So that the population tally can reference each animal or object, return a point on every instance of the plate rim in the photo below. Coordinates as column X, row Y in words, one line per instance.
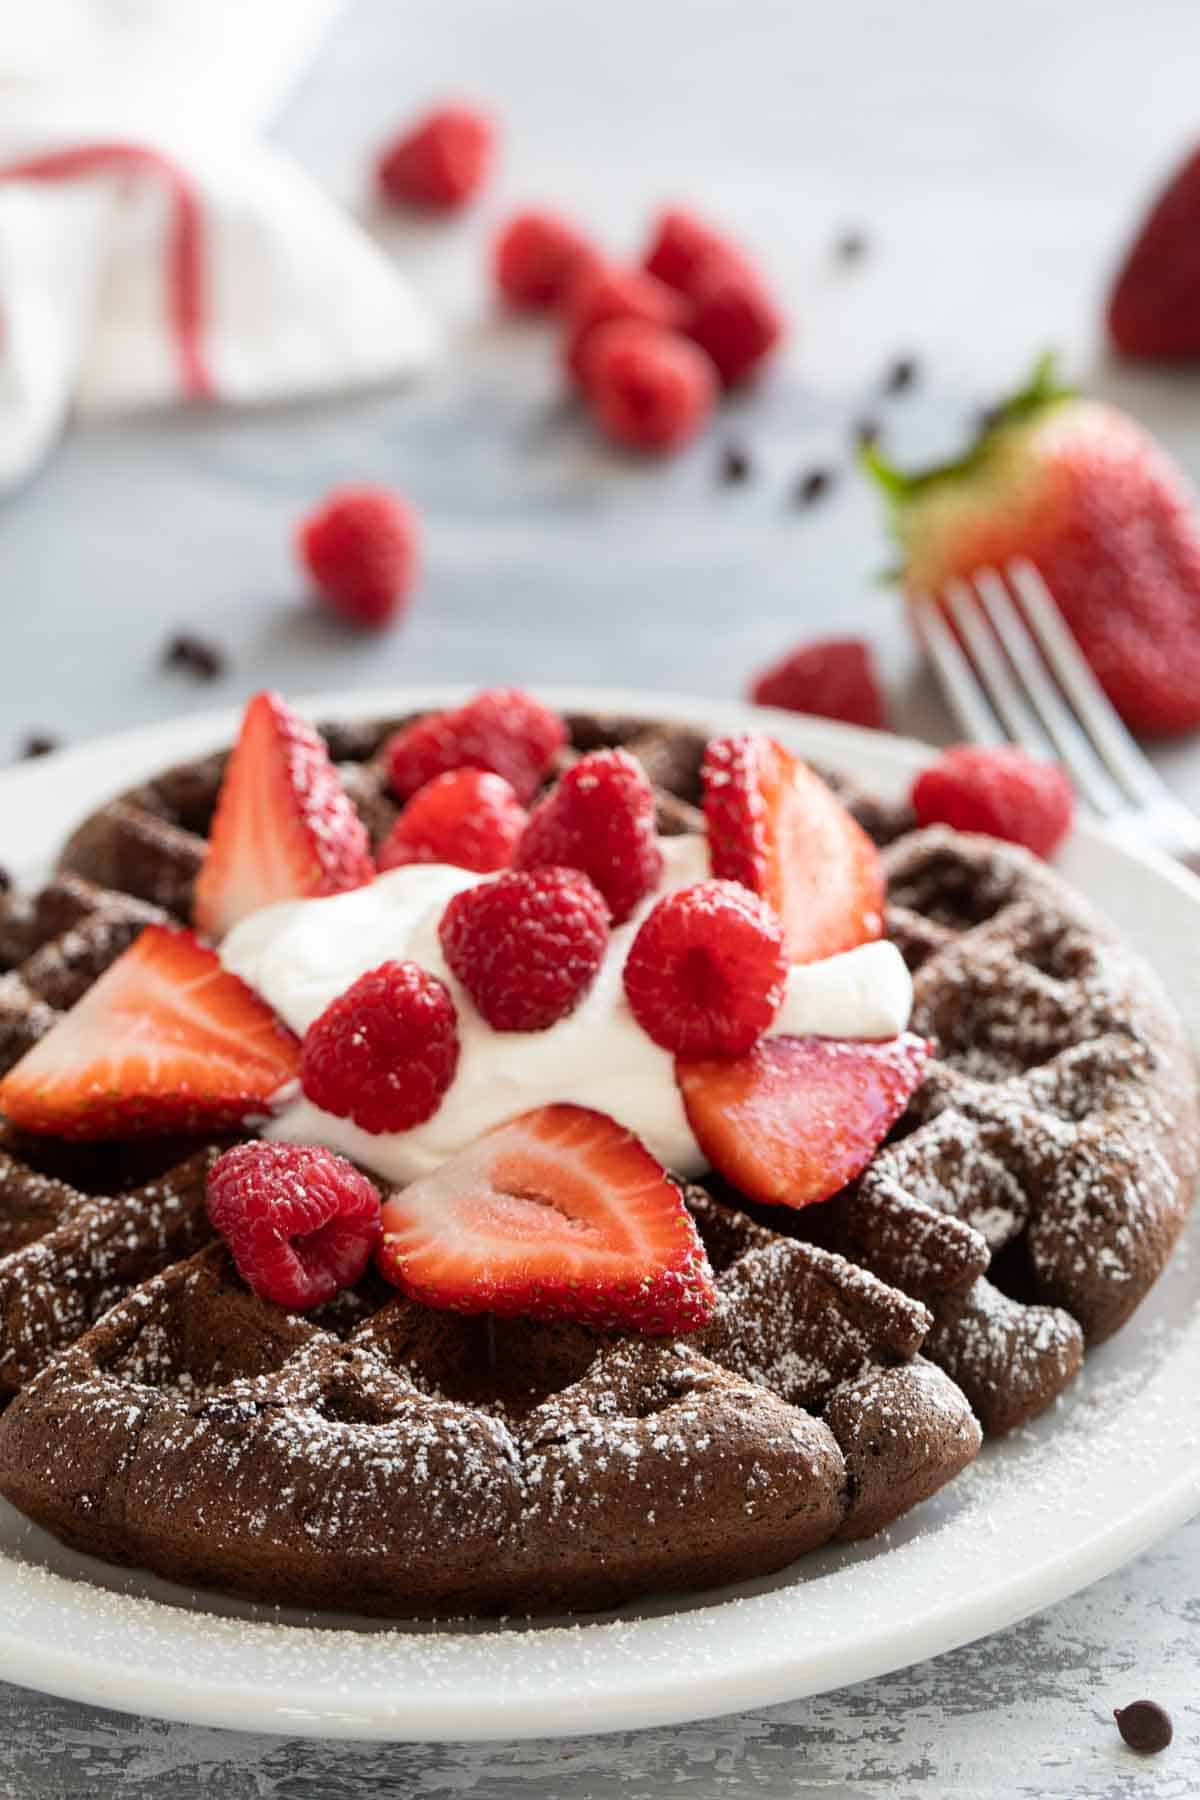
column 766, row 1678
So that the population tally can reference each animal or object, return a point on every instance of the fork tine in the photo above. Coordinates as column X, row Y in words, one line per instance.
column 961, row 689
column 993, row 670
column 1071, row 742
column 1093, row 709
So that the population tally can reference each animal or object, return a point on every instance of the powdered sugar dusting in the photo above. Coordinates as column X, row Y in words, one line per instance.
column 1019, row 1142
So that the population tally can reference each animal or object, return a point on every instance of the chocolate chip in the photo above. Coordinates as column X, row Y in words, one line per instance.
column 901, row 375
column 196, row 655
column 812, row 486
column 6, row 880
column 851, row 246
column 866, row 433
column 735, row 465
column 37, row 743
column 1145, row 1726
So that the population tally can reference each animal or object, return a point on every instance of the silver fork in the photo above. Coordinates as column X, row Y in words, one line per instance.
column 1014, row 673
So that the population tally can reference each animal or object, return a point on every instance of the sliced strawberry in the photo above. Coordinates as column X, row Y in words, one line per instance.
column 558, row 1214
column 778, row 829
column 797, row 1118
column 285, row 828
column 166, row 1040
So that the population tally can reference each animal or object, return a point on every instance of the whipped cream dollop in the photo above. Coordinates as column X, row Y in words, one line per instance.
column 301, row 954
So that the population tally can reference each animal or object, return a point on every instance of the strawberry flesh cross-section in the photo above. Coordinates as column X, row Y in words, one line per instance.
column 777, row 828
column 558, row 1214
column 797, row 1118
column 166, row 1040
column 284, row 828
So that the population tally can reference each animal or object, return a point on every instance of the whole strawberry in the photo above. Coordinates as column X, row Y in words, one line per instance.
column 1087, row 495
column 1154, row 306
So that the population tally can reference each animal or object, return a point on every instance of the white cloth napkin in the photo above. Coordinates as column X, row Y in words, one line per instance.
column 151, row 249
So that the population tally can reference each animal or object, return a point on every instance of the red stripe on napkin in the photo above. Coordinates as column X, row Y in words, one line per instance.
column 186, row 299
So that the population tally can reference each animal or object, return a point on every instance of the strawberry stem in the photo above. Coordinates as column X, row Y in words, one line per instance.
column 1041, row 390
column 901, row 487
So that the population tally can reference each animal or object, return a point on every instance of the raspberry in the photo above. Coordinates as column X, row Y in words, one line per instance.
column 602, row 294
column 831, row 677
column 681, row 244
column 526, row 946
column 999, row 791
column 384, row 1052
column 438, row 162
column 599, row 818
column 300, row 1222
column 734, row 319
column 466, row 817
column 501, row 729
column 538, row 257
column 648, row 389
column 361, row 546
column 706, row 973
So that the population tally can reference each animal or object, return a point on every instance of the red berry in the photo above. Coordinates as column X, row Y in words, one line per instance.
column 360, row 546
column 526, row 946
column 1154, row 306
column 999, row 791
column 795, row 1119
column 648, row 389
column 1085, row 494
column 384, row 1052
column 466, row 817
column 732, row 315
column 300, row 1222
column 538, row 258
column 681, row 244
column 285, row 827
column 832, row 677
column 558, row 1214
column 440, row 161
column 599, row 818
column 734, row 320
column 501, row 729
column 706, row 972
column 605, row 293
column 777, row 828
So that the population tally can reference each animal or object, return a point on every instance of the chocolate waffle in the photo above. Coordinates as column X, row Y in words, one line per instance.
column 405, row 1462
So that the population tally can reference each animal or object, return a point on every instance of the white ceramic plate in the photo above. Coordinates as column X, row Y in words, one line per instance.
column 1041, row 1514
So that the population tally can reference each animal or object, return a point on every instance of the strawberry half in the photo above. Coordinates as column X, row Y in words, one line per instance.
column 558, row 1214
column 797, row 1118
column 778, row 829
column 1089, row 497
column 284, row 828
column 166, row 1040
